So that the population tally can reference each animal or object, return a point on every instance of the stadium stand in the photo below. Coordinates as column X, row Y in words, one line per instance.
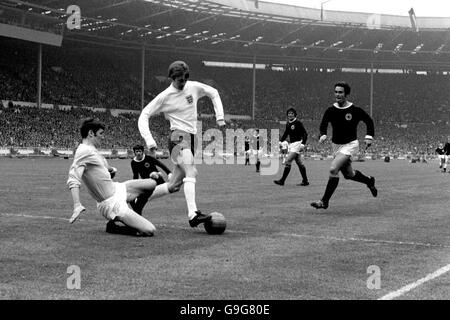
column 411, row 111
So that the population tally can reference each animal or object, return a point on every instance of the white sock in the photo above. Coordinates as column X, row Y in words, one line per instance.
column 160, row 190
column 189, row 194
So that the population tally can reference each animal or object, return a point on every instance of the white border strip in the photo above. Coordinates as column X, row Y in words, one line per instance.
column 409, row 287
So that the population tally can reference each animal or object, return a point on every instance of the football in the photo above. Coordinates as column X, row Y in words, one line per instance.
column 217, row 224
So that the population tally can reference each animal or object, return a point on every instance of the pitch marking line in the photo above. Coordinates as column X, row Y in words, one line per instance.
column 409, row 287
column 31, row 216
column 365, row 240
column 327, row 238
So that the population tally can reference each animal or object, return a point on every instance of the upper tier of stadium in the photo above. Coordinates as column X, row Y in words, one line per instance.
column 242, row 31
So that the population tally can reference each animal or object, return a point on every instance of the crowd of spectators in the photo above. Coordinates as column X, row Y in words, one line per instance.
column 411, row 112
column 52, row 128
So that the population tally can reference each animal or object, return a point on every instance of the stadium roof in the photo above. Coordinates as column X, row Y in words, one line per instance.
column 239, row 30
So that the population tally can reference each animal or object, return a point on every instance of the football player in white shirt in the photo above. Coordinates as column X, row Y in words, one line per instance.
column 179, row 104
column 92, row 169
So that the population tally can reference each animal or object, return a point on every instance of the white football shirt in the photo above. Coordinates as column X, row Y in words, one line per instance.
column 96, row 176
column 179, row 107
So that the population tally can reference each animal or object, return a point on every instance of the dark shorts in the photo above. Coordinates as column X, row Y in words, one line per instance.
column 180, row 140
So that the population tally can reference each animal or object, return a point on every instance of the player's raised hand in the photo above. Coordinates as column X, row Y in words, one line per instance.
column 79, row 209
column 151, row 143
column 221, row 123
column 322, row 138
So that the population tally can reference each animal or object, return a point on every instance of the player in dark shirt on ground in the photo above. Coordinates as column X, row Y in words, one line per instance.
column 297, row 138
column 145, row 166
column 344, row 117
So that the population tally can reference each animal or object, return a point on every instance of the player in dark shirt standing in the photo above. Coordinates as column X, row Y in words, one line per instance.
column 257, row 145
column 297, row 138
column 344, row 117
column 446, row 153
column 247, row 150
column 442, row 158
column 144, row 167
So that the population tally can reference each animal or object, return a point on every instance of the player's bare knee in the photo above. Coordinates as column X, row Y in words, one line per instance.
column 334, row 171
column 191, row 172
column 346, row 176
column 148, row 231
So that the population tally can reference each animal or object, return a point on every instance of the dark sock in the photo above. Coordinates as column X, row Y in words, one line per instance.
column 303, row 173
column 331, row 187
column 286, row 171
column 118, row 229
column 139, row 204
column 359, row 177
column 258, row 164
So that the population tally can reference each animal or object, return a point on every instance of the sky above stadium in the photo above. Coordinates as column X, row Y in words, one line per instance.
column 422, row 8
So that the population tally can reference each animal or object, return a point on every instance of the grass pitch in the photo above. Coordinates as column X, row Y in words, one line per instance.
column 276, row 245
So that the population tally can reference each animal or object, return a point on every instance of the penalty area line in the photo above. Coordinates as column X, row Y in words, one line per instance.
column 411, row 286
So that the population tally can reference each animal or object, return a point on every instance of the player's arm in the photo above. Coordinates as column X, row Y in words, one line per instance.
column 74, row 183
column 446, row 147
column 370, row 127
column 304, row 134
column 285, row 134
column 324, row 126
column 155, row 106
column 213, row 94
column 135, row 170
column 161, row 165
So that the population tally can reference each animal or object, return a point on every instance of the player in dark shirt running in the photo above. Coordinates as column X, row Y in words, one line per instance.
column 344, row 117
column 297, row 138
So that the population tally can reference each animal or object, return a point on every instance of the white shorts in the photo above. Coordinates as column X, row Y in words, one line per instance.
column 296, row 147
column 350, row 149
column 116, row 205
column 443, row 157
column 257, row 153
